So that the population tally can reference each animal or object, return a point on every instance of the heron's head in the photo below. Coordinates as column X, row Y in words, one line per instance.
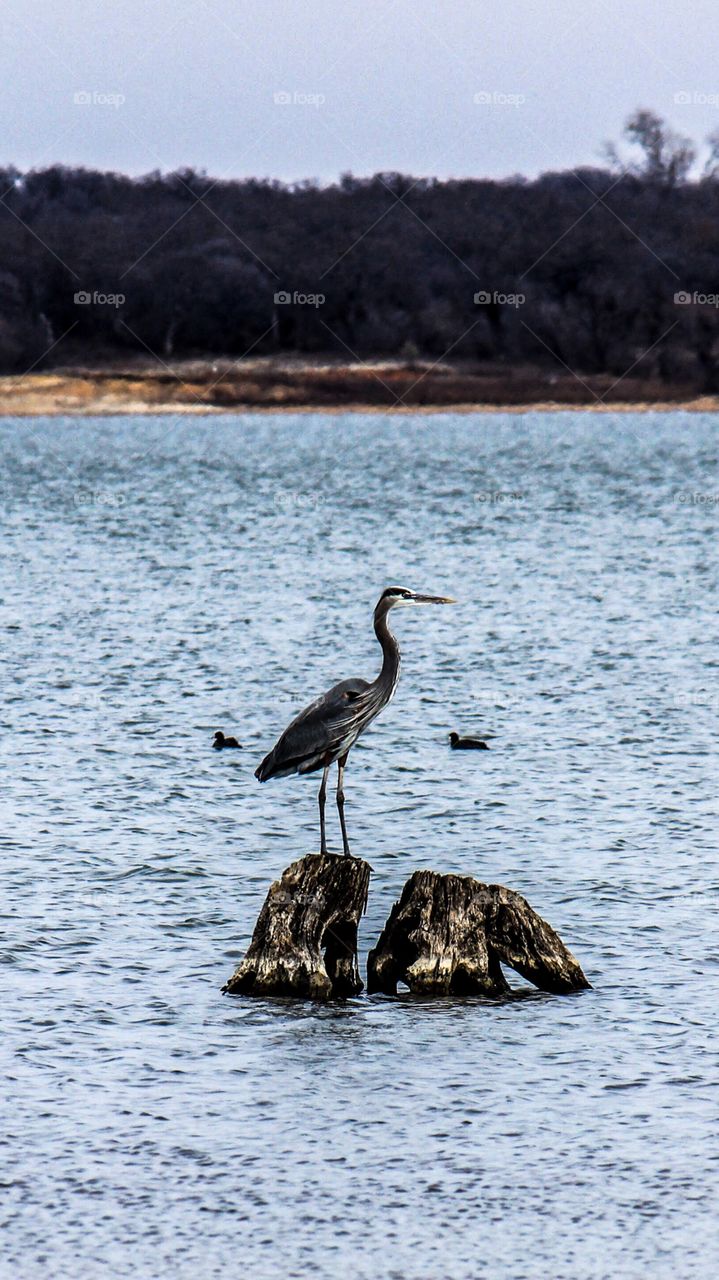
column 394, row 596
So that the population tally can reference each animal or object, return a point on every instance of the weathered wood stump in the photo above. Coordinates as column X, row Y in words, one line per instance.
column 314, row 907
column 448, row 934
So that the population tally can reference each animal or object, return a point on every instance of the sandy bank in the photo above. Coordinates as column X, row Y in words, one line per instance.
column 207, row 386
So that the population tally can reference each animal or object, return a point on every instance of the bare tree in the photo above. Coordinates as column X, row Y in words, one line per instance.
column 666, row 156
column 711, row 167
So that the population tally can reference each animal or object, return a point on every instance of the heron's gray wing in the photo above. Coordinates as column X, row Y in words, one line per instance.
column 317, row 735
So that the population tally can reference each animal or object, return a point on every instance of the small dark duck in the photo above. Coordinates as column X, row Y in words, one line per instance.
column 469, row 744
column 221, row 741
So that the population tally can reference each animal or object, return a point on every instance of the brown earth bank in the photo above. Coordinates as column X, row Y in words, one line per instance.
column 223, row 386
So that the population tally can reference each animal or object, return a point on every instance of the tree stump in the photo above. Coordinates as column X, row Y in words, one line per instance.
column 448, row 934
column 315, row 906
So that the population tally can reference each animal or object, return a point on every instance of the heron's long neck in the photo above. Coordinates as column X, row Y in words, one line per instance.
column 389, row 675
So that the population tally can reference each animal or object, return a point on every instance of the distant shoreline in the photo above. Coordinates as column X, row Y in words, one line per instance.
column 294, row 386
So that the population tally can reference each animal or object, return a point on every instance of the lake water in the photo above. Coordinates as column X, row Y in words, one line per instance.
column 165, row 577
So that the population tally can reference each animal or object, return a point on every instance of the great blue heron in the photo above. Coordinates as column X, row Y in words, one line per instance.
column 221, row 741
column 326, row 730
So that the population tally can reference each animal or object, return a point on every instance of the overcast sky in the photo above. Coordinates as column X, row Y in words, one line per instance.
column 313, row 88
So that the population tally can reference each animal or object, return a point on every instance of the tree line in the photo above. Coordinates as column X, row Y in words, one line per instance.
column 598, row 269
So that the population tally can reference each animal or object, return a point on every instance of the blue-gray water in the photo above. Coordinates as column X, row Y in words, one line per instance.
column 164, row 577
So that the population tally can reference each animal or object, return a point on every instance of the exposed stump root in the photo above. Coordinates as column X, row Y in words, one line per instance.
column 448, row 934
column 314, row 907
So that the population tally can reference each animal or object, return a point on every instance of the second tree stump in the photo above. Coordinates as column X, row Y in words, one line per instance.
column 448, row 934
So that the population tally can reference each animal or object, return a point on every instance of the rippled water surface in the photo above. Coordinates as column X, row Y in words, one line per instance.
column 162, row 578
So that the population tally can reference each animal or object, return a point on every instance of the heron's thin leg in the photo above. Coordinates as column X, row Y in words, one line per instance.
column 323, row 793
column 341, row 802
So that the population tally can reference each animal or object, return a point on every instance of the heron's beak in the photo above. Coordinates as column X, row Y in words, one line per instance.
column 433, row 600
